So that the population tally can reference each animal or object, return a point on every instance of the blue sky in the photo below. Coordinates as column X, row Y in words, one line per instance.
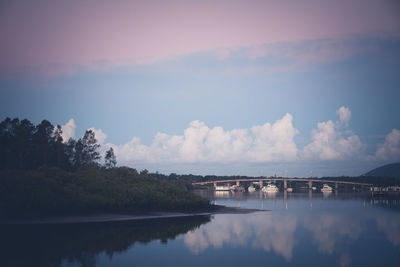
column 198, row 111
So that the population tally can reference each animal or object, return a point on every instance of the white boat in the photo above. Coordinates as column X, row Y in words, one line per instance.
column 289, row 189
column 237, row 188
column 326, row 188
column 251, row 188
column 222, row 188
column 270, row 188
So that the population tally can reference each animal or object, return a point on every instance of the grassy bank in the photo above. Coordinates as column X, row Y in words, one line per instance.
column 52, row 191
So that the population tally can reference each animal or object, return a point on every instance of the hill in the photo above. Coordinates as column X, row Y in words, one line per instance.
column 389, row 170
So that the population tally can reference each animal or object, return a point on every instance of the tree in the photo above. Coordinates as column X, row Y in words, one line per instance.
column 69, row 150
column 86, row 150
column 24, row 144
column 43, row 139
column 110, row 160
column 59, row 156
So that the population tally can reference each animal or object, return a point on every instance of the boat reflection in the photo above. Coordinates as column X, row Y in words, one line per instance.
column 221, row 194
column 270, row 195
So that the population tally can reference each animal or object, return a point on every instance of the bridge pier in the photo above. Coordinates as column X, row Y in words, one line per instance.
column 309, row 185
column 215, row 184
column 336, row 187
column 285, row 185
column 261, row 184
column 238, row 183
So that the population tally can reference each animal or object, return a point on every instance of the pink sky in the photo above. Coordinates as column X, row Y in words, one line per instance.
column 65, row 33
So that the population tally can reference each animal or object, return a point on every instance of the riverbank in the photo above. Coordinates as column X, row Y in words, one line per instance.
column 110, row 217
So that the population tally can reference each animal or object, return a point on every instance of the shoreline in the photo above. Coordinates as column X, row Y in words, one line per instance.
column 120, row 217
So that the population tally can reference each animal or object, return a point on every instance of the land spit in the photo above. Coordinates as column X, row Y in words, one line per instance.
column 114, row 217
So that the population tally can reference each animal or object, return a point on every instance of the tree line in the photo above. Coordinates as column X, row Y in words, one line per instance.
column 26, row 146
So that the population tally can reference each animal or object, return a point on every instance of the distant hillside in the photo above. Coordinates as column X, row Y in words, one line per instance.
column 389, row 170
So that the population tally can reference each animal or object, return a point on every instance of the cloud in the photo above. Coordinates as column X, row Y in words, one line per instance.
column 274, row 142
column 390, row 149
column 68, row 130
column 75, row 34
column 267, row 143
column 331, row 142
column 344, row 114
column 284, row 56
column 199, row 143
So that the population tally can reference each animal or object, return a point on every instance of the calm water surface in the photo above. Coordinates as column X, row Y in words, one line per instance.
column 299, row 229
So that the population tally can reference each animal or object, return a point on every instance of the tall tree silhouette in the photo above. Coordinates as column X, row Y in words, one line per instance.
column 43, row 139
column 59, row 157
column 87, row 147
column 26, row 146
column 70, row 153
column 110, row 160
column 24, row 133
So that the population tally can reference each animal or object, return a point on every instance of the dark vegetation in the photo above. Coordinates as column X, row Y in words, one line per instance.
column 41, row 175
column 48, row 245
column 51, row 191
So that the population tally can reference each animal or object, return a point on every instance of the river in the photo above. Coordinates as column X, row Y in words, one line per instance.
column 296, row 229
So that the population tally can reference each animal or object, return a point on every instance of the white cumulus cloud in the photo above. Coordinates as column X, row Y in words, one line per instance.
column 68, row 130
column 200, row 143
column 274, row 142
column 331, row 142
column 344, row 114
column 390, row 149
column 267, row 143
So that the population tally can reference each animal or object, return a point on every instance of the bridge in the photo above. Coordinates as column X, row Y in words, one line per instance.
column 310, row 182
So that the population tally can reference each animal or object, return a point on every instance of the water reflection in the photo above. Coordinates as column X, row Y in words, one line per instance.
column 391, row 228
column 262, row 231
column 328, row 229
column 299, row 229
column 49, row 245
column 335, row 225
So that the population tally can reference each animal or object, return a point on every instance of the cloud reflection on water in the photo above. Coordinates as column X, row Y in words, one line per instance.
column 390, row 226
column 328, row 228
column 266, row 231
column 331, row 233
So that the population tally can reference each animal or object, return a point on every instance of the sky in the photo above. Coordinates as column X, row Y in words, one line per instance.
column 287, row 88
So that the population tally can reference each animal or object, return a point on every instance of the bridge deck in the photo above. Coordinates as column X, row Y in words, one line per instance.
column 281, row 179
